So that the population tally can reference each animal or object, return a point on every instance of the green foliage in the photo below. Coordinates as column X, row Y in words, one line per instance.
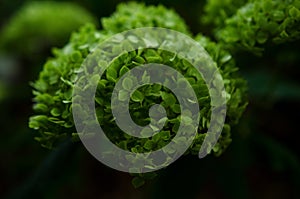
column 53, row 89
column 259, row 23
column 216, row 11
column 41, row 24
column 235, row 86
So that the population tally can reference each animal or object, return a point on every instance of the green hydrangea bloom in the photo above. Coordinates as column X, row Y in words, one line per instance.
column 259, row 23
column 42, row 24
column 53, row 90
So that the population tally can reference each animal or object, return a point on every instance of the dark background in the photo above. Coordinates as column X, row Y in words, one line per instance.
column 262, row 161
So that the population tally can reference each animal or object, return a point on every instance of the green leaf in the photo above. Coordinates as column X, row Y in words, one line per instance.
column 55, row 112
column 127, row 83
column 123, row 95
column 123, row 70
column 140, row 60
column 165, row 135
column 102, row 84
column 294, row 12
column 261, row 37
column 123, row 145
column 157, row 59
column 111, row 74
column 76, row 56
column 38, row 121
column 99, row 100
column 146, row 132
column 145, row 77
column 149, row 145
column 186, row 120
column 168, row 98
column 137, row 96
column 176, row 108
column 40, row 107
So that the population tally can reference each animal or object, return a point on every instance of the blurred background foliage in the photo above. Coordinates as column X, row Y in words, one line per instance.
column 261, row 162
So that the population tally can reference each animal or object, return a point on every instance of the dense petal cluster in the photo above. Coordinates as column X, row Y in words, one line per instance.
column 253, row 24
column 53, row 90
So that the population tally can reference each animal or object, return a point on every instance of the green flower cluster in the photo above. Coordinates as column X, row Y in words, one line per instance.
column 258, row 23
column 53, row 90
column 41, row 24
